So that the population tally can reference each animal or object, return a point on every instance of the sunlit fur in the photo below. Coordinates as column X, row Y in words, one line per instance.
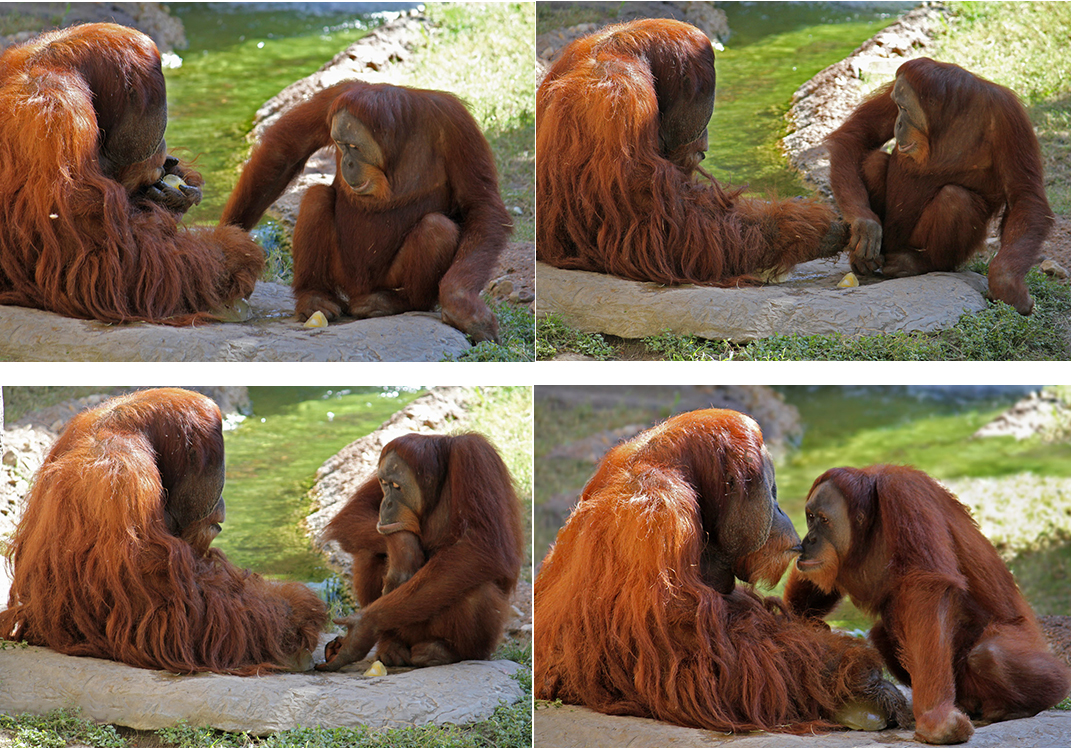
column 626, row 624
column 470, row 532
column 96, row 571
column 611, row 201
column 953, row 623
column 74, row 241
column 981, row 158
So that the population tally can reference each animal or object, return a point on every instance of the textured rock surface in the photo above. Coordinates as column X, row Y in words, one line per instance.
column 1044, row 413
column 570, row 726
column 150, row 699
column 807, row 303
column 273, row 334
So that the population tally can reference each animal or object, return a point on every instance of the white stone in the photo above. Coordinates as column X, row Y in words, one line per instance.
column 807, row 303
column 35, row 680
column 578, row 727
column 273, row 334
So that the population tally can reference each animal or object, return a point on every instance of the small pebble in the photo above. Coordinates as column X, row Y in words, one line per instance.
column 1053, row 268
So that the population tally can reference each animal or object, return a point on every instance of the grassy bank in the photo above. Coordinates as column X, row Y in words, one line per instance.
column 1020, row 45
column 484, row 53
column 1023, row 46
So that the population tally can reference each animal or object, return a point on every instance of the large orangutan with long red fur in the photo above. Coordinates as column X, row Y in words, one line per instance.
column 413, row 215
column 90, row 202
column 636, row 605
column 112, row 559
column 436, row 540
column 965, row 150
column 621, row 123
column 953, row 625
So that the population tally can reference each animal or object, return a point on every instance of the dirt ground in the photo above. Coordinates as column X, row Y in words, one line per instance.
column 1058, row 246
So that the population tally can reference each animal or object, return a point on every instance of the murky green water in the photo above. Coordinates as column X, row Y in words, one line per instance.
column 773, row 50
column 237, row 59
column 271, row 460
column 857, row 426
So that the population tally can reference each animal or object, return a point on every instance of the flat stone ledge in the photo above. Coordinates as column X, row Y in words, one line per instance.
column 36, row 680
column 272, row 334
column 578, row 727
column 806, row 303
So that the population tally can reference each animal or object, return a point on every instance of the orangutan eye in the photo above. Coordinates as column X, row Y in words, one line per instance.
column 396, row 487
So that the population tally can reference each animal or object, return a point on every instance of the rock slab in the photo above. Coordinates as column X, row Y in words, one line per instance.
column 272, row 334
column 806, row 303
column 577, row 727
column 35, row 680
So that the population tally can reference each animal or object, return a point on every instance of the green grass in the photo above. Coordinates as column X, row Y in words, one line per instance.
column 59, row 729
column 509, row 727
column 1023, row 46
column 516, row 334
column 485, row 54
column 505, row 416
column 997, row 333
column 553, row 336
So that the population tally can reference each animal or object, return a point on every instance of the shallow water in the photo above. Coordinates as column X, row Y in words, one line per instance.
column 272, row 457
column 774, row 49
column 929, row 428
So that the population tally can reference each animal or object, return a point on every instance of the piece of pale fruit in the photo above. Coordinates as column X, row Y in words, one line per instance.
column 316, row 319
column 173, row 180
column 377, row 666
column 859, row 716
column 848, row 281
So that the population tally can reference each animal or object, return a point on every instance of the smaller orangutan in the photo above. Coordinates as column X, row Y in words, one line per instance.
column 953, row 625
column 413, row 216
column 965, row 151
column 435, row 538
column 112, row 556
